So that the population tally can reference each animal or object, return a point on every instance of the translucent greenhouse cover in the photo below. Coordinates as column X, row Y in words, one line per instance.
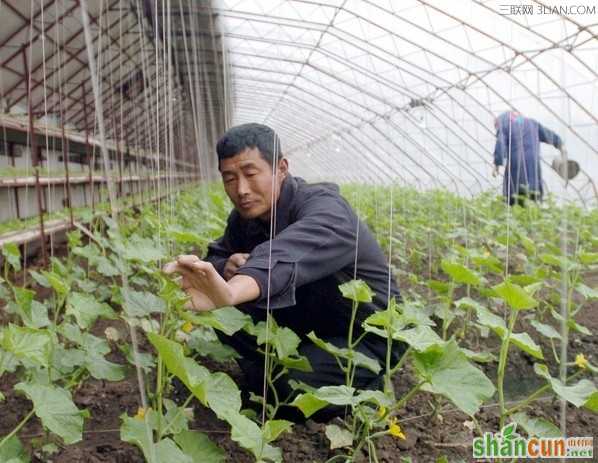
column 407, row 91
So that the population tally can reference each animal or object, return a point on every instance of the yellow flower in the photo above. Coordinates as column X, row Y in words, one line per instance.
column 381, row 412
column 581, row 361
column 140, row 414
column 395, row 429
column 187, row 327
column 487, row 254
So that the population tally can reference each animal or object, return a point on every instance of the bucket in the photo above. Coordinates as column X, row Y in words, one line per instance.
column 567, row 171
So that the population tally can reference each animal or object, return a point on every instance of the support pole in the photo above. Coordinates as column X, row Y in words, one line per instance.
column 35, row 158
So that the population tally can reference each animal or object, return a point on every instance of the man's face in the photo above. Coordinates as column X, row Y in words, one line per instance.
column 248, row 182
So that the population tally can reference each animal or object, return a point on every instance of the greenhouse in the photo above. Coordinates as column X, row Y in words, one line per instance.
column 298, row 230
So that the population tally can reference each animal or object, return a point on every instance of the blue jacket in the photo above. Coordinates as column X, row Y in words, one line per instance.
column 518, row 144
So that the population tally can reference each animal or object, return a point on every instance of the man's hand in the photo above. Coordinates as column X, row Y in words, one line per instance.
column 233, row 263
column 208, row 290
column 495, row 171
column 201, row 281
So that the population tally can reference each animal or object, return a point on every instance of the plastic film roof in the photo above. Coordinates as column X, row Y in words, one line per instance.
column 374, row 91
column 407, row 91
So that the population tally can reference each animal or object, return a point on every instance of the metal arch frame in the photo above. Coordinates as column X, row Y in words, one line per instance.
column 356, row 108
column 474, row 174
column 319, row 69
column 418, row 45
column 421, row 148
column 379, row 115
column 433, row 115
column 297, row 101
column 312, row 122
column 133, row 108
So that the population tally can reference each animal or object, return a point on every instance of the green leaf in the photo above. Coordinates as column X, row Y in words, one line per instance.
column 449, row 373
column 578, row 394
column 229, row 320
column 135, row 432
column 572, row 324
column 440, row 287
column 480, row 357
column 591, row 402
column 28, row 343
column 527, row 344
column 542, row 370
column 467, row 302
column 55, row 408
column 420, row 338
column 33, row 313
column 336, row 395
column 528, row 244
column 357, row 291
column 87, row 309
column 247, row 434
column 217, row 390
column 491, row 320
column 545, row 330
column 274, row 428
column 13, row 452
column 141, row 304
column 378, row 398
column 587, row 292
column 515, row 296
column 536, row 427
column 283, row 339
column 144, row 359
column 285, row 342
column 143, row 249
column 588, row 258
column 300, row 363
column 8, row 361
column 183, row 236
column 11, row 253
column 492, row 263
column 359, row 359
column 551, row 259
column 525, row 280
column 100, row 368
column 39, row 279
column 199, row 447
column 211, row 348
column 338, row 437
column 308, row 403
column 459, row 273
column 105, row 267
column 58, row 283
column 167, row 452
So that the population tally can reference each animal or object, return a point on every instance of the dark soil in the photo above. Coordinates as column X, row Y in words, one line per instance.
column 429, row 435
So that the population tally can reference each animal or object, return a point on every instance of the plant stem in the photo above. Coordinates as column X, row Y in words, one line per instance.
column 17, row 428
column 401, row 361
column 387, row 376
column 408, row 396
column 169, row 425
column 502, row 363
column 348, row 375
column 445, row 321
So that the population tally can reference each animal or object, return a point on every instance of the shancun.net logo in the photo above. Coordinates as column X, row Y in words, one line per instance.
column 509, row 444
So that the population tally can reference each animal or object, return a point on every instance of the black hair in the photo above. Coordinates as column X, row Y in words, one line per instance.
column 252, row 135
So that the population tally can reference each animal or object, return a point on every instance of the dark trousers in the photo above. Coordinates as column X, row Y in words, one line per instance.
column 325, row 371
column 522, row 195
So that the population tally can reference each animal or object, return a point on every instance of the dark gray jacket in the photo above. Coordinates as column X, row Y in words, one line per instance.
column 312, row 253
